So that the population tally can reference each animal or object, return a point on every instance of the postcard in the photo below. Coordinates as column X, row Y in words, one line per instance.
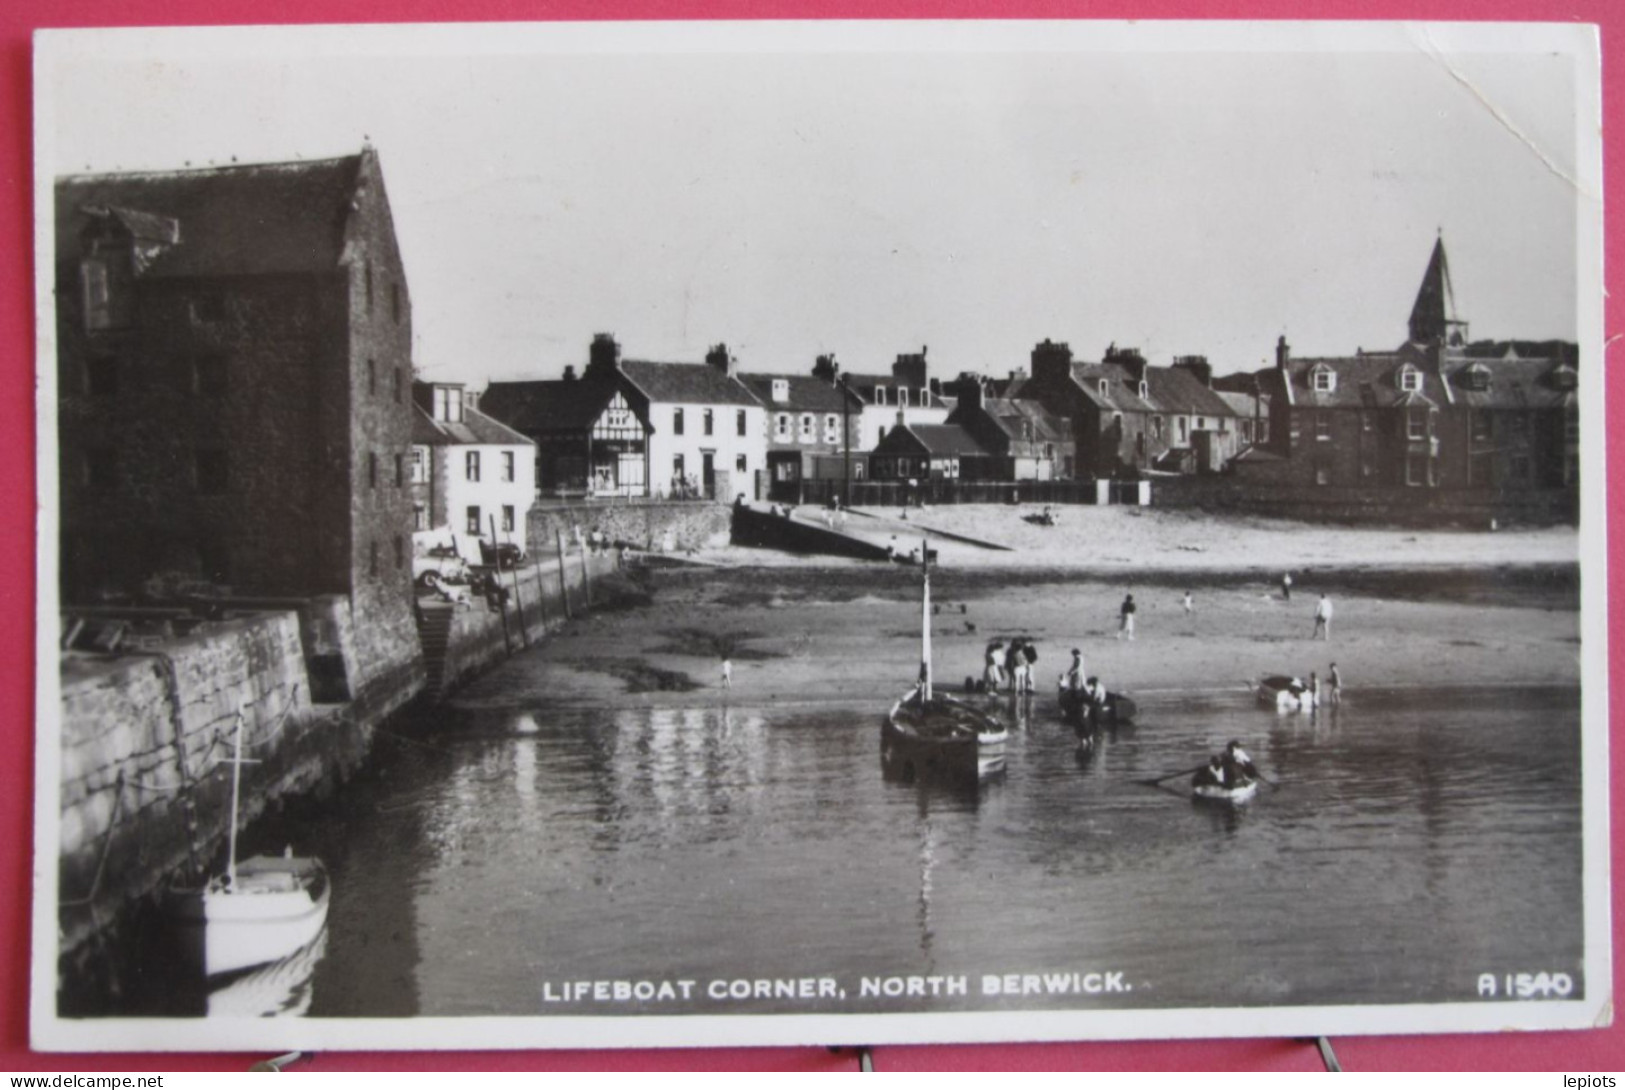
column 808, row 533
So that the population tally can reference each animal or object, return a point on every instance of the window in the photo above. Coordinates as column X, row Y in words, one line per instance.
column 98, row 305
column 781, row 427
column 366, row 277
column 471, row 465
column 1323, row 475
column 1323, row 427
column 507, row 465
column 1145, row 390
column 1102, row 387
column 677, row 422
column 880, row 395
column 399, row 552
column 739, row 421
column 739, row 464
column 507, row 517
column 1156, row 427
column 1184, row 428
column 1571, row 424
column 706, row 425
column 1518, row 424
column 1368, row 422
column 209, row 376
column 420, row 517
column 372, row 469
column 1246, row 431
column 372, row 377
column 902, row 397
column 1416, row 469
column 1324, row 380
column 400, row 470
column 1481, row 425
column 209, row 467
column 832, row 428
column 677, row 468
column 781, row 389
column 806, row 427
column 448, row 404
column 420, row 466
column 101, row 376
column 1410, row 379
column 1416, row 424
column 474, row 520
column 101, row 468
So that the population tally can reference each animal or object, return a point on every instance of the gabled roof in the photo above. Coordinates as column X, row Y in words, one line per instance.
column 803, row 393
column 945, row 440
column 1243, row 405
column 1513, row 384
column 1024, row 420
column 1367, row 381
column 548, row 406
column 475, row 429
column 687, row 383
column 1168, row 390
column 864, row 387
column 228, row 221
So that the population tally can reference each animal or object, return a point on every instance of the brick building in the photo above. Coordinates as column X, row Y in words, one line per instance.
column 234, row 378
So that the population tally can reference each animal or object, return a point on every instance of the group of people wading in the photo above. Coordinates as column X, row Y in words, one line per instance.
column 1008, row 666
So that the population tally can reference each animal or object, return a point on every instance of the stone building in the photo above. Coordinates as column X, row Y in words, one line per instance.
column 1128, row 416
column 812, row 427
column 1025, row 440
column 234, row 377
column 467, row 470
column 1438, row 412
column 906, row 391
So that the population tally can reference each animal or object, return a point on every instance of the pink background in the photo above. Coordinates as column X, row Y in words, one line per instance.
column 1575, row 1052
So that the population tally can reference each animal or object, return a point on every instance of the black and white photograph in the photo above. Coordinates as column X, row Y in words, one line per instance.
column 619, row 535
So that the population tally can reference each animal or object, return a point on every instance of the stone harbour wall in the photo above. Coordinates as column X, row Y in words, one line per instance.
column 692, row 524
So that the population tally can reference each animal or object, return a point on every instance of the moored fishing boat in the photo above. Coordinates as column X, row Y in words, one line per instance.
column 929, row 735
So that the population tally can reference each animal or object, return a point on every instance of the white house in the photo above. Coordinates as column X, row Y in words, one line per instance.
column 707, row 432
column 467, row 470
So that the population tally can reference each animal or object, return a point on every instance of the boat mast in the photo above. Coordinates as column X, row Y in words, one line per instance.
column 236, row 783
column 925, row 623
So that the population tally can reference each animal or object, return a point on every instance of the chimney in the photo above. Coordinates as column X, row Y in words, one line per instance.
column 569, row 372
column 827, row 369
column 1198, row 366
column 721, row 359
column 604, row 353
column 1052, row 361
column 1283, row 352
column 909, row 369
column 970, row 392
column 1129, row 359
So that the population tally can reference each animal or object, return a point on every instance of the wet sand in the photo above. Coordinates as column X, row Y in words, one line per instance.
column 850, row 633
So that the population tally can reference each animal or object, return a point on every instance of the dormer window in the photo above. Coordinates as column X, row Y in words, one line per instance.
column 1323, row 380
column 902, row 397
column 781, row 389
column 1102, row 387
column 1564, row 378
column 880, row 395
column 448, row 404
column 1145, row 390
column 1410, row 379
column 1476, row 377
column 98, row 299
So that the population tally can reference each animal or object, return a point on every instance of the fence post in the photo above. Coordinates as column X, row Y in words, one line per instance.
column 564, row 582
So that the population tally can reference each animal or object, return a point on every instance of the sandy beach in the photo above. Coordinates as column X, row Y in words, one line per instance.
column 1410, row 609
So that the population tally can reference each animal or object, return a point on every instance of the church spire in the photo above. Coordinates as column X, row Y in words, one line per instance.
column 1429, row 322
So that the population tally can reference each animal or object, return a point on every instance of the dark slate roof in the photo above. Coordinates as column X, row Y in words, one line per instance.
column 543, row 406
column 686, row 383
column 237, row 220
column 1368, row 381
column 864, row 387
column 1168, row 390
column 1026, row 421
column 475, row 429
column 944, row 439
column 1513, row 384
column 805, row 393
column 1243, row 405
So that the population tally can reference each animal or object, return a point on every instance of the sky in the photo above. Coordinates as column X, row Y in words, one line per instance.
column 870, row 191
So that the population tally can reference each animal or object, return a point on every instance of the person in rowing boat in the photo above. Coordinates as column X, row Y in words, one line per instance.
column 1236, row 766
column 1211, row 776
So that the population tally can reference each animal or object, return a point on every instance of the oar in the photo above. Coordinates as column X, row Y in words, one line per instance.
column 1160, row 780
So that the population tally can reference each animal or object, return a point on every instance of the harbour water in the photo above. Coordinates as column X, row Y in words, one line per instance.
column 524, row 862
column 505, row 866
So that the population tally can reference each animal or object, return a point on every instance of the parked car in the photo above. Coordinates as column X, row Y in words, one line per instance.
column 504, row 556
column 439, row 564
